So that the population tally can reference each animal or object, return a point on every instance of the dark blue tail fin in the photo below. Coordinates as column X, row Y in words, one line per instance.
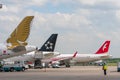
column 49, row 45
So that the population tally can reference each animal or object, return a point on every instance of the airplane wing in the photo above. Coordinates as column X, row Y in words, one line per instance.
column 21, row 33
column 64, row 58
column 48, row 55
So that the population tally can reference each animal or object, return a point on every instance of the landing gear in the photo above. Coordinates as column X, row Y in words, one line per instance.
column 67, row 64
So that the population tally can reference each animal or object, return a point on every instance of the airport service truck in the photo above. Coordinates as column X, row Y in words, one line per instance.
column 14, row 66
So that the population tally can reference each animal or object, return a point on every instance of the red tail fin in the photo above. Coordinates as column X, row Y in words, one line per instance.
column 74, row 55
column 104, row 48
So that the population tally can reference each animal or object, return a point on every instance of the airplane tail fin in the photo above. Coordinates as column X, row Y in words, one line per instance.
column 49, row 45
column 74, row 55
column 21, row 33
column 104, row 48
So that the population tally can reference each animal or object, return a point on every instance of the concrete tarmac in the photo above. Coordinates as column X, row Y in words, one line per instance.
column 73, row 73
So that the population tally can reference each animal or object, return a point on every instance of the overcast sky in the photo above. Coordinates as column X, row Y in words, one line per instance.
column 82, row 25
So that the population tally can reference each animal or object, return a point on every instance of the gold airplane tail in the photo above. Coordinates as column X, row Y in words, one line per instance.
column 19, row 36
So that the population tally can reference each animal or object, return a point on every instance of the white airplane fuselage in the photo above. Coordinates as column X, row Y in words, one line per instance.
column 31, row 56
column 90, row 57
column 7, row 53
column 84, row 57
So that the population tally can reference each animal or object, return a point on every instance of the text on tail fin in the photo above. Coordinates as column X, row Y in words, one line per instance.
column 104, row 48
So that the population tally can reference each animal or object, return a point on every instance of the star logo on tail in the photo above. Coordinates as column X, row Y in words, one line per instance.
column 49, row 45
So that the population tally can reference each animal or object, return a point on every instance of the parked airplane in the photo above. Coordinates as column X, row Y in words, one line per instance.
column 46, row 51
column 102, row 53
column 62, row 59
column 16, row 43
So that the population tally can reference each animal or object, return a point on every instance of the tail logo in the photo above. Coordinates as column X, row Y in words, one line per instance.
column 49, row 45
column 104, row 47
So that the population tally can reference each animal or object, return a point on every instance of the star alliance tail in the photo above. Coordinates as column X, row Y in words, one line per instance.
column 49, row 45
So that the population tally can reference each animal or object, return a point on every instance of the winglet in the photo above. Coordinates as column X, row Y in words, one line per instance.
column 74, row 55
column 104, row 48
